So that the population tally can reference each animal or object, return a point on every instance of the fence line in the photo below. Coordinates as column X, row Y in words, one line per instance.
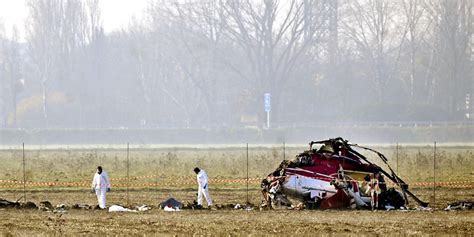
column 187, row 181
column 163, row 181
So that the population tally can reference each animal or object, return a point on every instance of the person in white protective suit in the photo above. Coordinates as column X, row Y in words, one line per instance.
column 101, row 185
column 203, row 187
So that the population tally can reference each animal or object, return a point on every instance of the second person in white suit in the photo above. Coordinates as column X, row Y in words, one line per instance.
column 203, row 187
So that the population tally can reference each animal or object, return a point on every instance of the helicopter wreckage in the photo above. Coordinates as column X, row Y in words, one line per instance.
column 335, row 176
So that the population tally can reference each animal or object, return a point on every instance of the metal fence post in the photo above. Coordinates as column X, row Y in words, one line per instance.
column 24, row 173
column 156, row 179
column 128, row 173
column 247, row 173
column 434, row 174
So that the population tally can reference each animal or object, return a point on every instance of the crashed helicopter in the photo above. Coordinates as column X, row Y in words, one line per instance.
column 334, row 175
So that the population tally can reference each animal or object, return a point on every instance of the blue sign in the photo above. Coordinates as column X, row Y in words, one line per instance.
column 268, row 102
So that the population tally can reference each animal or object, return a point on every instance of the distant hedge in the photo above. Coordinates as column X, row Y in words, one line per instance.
column 356, row 134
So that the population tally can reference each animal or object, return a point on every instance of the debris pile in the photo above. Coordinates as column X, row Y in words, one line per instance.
column 45, row 206
column 117, row 208
column 171, row 204
column 82, row 207
column 8, row 204
column 143, row 208
column 460, row 205
column 335, row 175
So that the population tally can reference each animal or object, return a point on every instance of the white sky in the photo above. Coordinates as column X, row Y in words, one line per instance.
column 115, row 14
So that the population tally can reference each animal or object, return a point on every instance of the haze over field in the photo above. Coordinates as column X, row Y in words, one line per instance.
column 207, row 64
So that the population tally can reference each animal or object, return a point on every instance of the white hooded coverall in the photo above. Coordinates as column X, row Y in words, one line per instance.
column 203, row 188
column 100, row 184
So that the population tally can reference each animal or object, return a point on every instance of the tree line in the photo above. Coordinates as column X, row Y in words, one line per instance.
column 208, row 64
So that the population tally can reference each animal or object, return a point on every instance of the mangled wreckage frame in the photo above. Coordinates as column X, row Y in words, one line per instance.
column 335, row 176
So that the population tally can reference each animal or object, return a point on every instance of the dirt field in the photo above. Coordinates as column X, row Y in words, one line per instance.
column 227, row 221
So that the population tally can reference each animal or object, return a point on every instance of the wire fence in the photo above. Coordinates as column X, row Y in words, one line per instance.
column 137, row 170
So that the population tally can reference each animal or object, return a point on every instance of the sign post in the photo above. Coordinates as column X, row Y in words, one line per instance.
column 268, row 106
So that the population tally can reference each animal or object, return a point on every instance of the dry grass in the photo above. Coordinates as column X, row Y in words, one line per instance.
column 415, row 163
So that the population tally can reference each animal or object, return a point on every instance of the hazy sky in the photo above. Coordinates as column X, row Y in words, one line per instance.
column 115, row 13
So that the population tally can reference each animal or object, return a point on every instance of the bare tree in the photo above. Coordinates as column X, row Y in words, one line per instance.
column 56, row 29
column 3, row 80
column 274, row 35
column 91, row 82
column 208, row 63
column 413, row 11
column 10, row 76
column 15, row 67
column 452, row 53
column 196, row 28
column 373, row 28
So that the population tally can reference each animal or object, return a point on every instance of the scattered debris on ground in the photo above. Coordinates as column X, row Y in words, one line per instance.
column 421, row 208
column 82, row 207
column 60, row 208
column 45, row 206
column 143, row 208
column 117, row 208
column 460, row 205
column 246, row 207
column 28, row 205
column 8, row 204
column 171, row 204
column 171, row 209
